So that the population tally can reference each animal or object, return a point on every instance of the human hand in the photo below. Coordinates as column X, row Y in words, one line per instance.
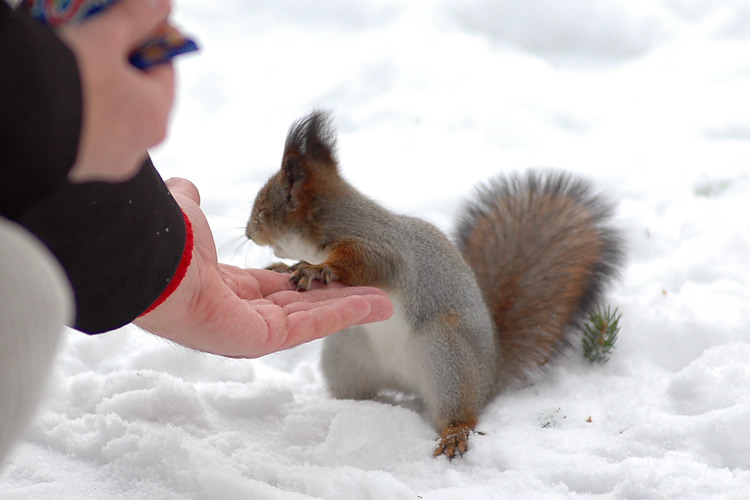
column 250, row 312
column 125, row 110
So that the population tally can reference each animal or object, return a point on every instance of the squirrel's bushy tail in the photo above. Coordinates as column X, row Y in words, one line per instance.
column 542, row 248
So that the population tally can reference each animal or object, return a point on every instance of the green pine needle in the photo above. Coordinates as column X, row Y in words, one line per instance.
column 600, row 334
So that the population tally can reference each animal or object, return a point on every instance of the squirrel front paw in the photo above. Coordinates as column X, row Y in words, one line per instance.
column 304, row 274
column 454, row 439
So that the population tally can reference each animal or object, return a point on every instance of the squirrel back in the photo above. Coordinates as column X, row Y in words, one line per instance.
column 533, row 254
column 543, row 250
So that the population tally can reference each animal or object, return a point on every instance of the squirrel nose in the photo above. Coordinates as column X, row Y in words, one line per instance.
column 256, row 234
column 250, row 230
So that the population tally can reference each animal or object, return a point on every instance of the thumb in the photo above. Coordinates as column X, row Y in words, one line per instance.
column 134, row 20
column 184, row 187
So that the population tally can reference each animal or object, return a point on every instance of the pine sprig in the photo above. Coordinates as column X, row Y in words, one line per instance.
column 600, row 334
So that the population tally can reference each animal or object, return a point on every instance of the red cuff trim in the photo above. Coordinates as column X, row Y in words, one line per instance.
column 187, row 257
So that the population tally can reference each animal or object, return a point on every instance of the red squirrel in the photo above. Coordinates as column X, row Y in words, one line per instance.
column 532, row 256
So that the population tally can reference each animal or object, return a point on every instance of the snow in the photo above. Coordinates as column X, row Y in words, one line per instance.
column 647, row 98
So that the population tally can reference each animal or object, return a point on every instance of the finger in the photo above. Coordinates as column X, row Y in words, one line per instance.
column 271, row 282
column 251, row 284
column 380, row 307
column 180, row 186
column 284, row 298
column 241, row 282
column 316, row 323
column 134, row 20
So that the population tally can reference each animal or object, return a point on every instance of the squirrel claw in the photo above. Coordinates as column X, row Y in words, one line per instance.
column 451, row 447
column 454, row 439
column 304, row 274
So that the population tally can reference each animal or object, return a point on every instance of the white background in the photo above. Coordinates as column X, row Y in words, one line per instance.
column 647, row 98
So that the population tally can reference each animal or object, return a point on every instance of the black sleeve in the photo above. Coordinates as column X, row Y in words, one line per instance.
column 40, row 111
column 119, row 244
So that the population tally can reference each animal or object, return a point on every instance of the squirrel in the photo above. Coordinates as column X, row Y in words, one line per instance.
column 532, row 256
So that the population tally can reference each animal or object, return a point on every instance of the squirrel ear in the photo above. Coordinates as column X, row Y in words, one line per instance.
column 293, row 170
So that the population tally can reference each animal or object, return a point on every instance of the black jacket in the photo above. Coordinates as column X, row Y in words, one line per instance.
column 119, row 244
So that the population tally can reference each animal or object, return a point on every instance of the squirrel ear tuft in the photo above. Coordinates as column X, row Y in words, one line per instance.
column 313, row 139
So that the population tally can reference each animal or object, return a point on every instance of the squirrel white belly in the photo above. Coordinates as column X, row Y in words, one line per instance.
column 532, row 256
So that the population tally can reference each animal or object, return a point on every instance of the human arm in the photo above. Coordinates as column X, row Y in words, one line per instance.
column 71, row 105
column 118, row 241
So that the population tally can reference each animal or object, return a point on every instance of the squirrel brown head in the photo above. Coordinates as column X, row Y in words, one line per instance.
column 286, row 205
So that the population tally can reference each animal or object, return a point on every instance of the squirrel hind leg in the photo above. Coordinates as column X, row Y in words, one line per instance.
column 454, row 438
column 348, row 367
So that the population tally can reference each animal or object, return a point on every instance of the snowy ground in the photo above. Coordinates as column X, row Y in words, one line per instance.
column 648, row 98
